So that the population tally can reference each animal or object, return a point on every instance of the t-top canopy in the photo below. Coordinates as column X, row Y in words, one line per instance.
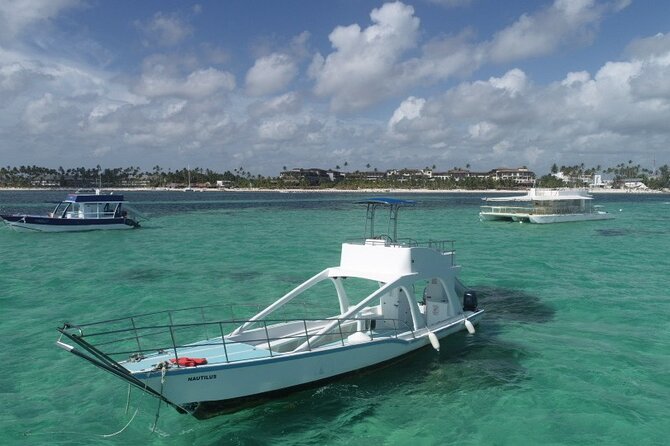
column 387, row 201
column 90, row 198
column 393, row 206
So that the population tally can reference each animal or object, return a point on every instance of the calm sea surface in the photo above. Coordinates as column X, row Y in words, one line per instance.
column 574, row 348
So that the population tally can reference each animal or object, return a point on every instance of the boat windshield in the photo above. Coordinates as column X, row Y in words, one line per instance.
column 59, row 209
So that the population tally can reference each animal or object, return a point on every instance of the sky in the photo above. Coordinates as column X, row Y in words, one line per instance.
column 264, row 85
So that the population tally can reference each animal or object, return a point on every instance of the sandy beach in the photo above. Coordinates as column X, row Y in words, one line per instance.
column 334, row 190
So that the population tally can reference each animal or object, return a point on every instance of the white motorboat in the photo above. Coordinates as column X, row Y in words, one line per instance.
column 390, row 297
column 545, row 206
column 78, row 212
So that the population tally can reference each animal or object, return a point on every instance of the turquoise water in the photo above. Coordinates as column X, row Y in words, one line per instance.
column 574, row 348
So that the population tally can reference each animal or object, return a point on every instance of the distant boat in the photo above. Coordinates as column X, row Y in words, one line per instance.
column 204, row 365
column 189, row 188
column 78, row 212
column 545, row 206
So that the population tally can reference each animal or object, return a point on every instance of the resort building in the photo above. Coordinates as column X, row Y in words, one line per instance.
column 314, row 176
column 521, row 176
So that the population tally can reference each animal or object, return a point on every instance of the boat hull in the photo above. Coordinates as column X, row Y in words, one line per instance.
column 544, row 218
column 30, row 223
column 486, row 216
column 208, row 390
column 565, row 218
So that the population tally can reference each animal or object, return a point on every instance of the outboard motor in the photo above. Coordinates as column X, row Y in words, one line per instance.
column 469, row 301
column 131, row 222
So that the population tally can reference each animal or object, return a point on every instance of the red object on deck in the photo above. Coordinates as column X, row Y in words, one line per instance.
column 188, row 362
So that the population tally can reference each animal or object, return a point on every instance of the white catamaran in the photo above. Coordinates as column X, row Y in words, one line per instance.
column 545, row 206
column 204, row 366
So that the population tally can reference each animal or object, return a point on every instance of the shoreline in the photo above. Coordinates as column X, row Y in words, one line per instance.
column 353, row 191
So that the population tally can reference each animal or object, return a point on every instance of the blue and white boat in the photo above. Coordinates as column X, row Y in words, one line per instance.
column 390, row 297
column 78, row 212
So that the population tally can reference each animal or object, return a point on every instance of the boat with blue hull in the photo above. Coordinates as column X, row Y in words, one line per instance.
column 390, row 297
column 78, row 212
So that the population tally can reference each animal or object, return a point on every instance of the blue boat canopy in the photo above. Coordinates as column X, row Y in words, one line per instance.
column 387, row 201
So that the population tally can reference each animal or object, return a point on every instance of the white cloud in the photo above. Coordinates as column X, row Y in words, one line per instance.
column 418, row 121
column 299, row 45
column 17, row 15
column 361, row 69
column 39, row 113
column 654, row 53
column 502, row 148
column 278, row 130
column 369, row 65
column 533, row 154
column 591, row 118
column 270, row 74
column 650, row 47
column 576, row 78
column 482, row 130
column 285, row 104
column 165, row 29
column 100, row 120
column 513, row 82
column 197, row 85
column 539, row 34
column 408, row 110
column 443, row 58
column 499, row 99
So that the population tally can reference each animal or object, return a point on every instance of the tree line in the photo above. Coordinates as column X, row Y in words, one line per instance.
column 573, row 176
column 576, row 175
column 32, row 176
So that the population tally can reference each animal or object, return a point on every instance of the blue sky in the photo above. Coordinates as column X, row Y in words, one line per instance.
column 267, row 84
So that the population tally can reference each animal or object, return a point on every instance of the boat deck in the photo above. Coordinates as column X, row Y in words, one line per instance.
column 213, row 350
column 217, row 352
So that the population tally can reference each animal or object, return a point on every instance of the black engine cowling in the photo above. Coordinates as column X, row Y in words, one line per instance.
column 469, row 301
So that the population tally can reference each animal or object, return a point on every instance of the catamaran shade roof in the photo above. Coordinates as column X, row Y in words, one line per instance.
column 387, row 201
column 545, row 195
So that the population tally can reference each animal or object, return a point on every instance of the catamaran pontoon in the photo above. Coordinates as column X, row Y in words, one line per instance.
column 415, row 300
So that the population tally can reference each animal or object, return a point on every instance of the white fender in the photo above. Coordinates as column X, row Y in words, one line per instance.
column 434, row 341
column 358, row 338
column 469, row 326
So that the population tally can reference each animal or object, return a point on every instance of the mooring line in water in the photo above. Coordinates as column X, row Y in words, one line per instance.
column 164, row 367
column 124, row 427
column 126, row 413
column 128, row 399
